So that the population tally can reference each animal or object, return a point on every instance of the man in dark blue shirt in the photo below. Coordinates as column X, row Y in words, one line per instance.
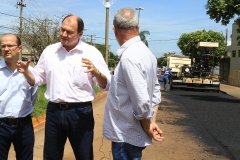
column 166, row 76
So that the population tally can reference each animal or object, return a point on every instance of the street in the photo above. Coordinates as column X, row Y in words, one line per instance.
column 208, row 123
column 196, row 125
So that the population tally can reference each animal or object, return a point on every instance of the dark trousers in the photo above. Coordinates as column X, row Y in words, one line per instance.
column 126, row 151
column 76, row 124
column 22, row 137
column 165, row 82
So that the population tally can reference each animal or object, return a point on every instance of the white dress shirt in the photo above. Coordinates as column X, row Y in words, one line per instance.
column 64, row 75
column 133, row 92
column 17, row 97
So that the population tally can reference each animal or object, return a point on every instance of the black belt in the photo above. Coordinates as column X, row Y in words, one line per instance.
column 16, row 120
column 69, row 105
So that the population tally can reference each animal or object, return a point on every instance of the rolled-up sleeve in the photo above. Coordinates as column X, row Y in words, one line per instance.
column 102, row 67
column 156, row 99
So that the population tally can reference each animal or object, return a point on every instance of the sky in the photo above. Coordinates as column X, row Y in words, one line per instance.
column 166, row 20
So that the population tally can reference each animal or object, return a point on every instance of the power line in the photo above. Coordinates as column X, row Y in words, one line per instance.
column 104, row 38
column 9, row 15
column 91, row 37
column 20, row 28
column 38, row 7
column 32, row 13
column 163, row 40
column 6, row 27
column 16, row 16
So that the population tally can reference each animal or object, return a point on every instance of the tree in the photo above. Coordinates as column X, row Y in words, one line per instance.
column 162, row 61
column 112, row 60
column 188, row 44
column 37, row 34
column 143, row 37
column 223, row 10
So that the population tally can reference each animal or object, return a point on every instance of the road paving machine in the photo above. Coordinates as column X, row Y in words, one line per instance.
column 188, row 74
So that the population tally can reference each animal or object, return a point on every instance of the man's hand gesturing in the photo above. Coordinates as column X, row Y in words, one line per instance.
column 22, row 67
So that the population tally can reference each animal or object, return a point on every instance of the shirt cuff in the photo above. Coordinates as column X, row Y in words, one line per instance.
column 140, row 117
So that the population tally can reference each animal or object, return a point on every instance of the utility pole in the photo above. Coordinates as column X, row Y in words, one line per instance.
column 226, row 35
column 226, row 41
column 139, row 9
column 107, row 5
column 91, row 38
column 20, row 3
column 106, row 30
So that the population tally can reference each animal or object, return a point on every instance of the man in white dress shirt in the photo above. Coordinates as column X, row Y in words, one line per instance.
column 70, row 69
column 134, row 93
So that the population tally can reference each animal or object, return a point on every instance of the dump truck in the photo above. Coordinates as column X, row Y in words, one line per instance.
column 188, row 75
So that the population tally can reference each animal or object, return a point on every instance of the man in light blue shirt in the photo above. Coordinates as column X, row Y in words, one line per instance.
column 17, row 99
column 134, row 93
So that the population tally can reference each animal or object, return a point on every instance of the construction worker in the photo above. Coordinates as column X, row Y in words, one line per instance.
column 166, row 77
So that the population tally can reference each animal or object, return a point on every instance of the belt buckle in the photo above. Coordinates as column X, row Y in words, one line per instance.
column 13, row 121
column 64, row 105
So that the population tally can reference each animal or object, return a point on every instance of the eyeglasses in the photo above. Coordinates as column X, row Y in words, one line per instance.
column 9, row 46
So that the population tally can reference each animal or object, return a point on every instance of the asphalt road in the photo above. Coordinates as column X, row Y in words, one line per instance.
column 215, row 113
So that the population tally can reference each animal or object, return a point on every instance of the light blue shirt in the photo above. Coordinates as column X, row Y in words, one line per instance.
column 17, row 97
column 134, row 90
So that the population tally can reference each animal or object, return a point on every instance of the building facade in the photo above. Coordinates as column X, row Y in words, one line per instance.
column 234, row 76
column 235, row 53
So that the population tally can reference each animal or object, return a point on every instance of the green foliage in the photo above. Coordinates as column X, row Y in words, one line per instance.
column 41, row 103
column 96, row 89
column 111, row 63
column 162, row 61
column 223, row 10
column 101, row 48
column 112, row 58
column 188, row 44
column 143, row 37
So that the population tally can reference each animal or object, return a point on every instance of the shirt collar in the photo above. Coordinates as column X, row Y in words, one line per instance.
column 127, row 44
column 3, row 64
column 78, row 46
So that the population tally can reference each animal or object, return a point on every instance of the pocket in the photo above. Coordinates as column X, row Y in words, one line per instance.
column 80, row 78
column 136, row 152
column 50, row 107
column 84, row 110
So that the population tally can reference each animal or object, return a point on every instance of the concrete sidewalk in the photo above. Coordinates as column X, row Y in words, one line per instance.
column 230, row 90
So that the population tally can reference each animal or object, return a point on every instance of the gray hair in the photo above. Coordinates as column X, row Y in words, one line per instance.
column 126, row 18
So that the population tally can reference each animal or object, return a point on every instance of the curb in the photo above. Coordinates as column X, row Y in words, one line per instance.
column 229, row 94
column 40, row 120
